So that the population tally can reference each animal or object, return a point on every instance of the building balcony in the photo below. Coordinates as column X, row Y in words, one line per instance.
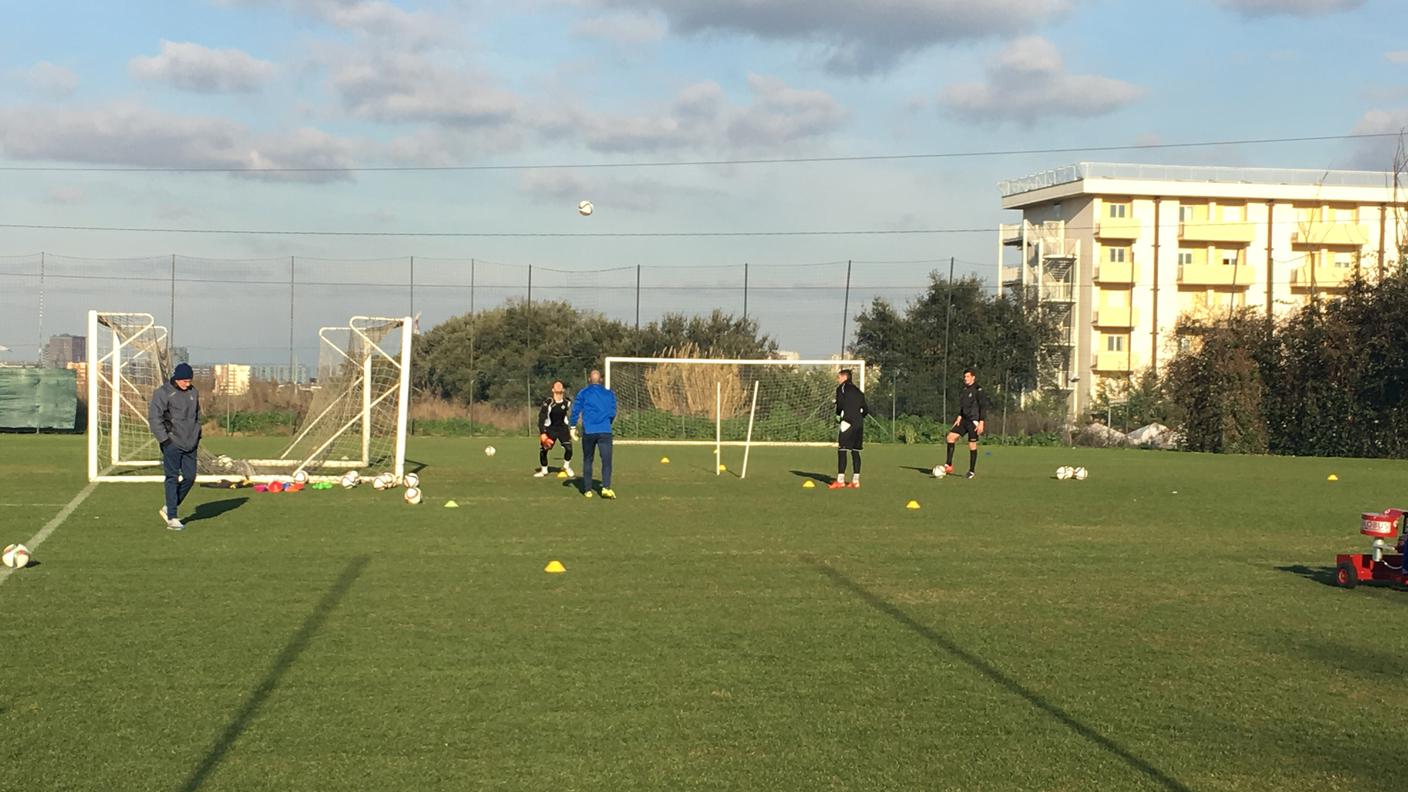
column 1011, row 276
column 1320, row 276
column 1118, row 228
column 1318, row 232
column 1115, row 272
column 1115, row 316
column 1215, row 275
column 1110, row 361
column 1058, row 292
column 1238, row 232
column 1010, row 233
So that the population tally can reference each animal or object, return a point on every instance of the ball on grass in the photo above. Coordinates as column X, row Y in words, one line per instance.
column 15, row 556
column 490, row 451
column 939, row 471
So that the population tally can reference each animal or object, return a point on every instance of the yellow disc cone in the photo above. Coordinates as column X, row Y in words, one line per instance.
column 912, row 505
column 664, row 460
column 449, row 504
column 808, row 484
column 1333, row 477
column 554, row 568
column 723, row 468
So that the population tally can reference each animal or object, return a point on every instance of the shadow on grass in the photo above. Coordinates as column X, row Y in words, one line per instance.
column 213, row 509
column 1324, row 575
column 926, row 472
column 820, row 478
column 416, row 467
column 995, row 675
column 282, row 663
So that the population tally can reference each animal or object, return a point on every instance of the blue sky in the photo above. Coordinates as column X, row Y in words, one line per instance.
column 340, row 83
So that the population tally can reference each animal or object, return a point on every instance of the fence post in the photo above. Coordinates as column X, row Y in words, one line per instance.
column 745, row 291
column 948, row 314
column 846, row 308
column 291, row 376
column 413, row 287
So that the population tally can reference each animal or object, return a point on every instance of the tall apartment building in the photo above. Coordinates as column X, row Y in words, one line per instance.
column 1119, row 252
column 64, row 349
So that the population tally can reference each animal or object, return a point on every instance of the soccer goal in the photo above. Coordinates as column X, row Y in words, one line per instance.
column 708, row 402
column 356, row 417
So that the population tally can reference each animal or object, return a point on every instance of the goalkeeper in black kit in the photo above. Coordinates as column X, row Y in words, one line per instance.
column 553, row 430
column 850, row 413
column 973, row 407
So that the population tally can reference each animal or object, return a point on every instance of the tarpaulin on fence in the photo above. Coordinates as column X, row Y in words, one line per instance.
column 38, row 398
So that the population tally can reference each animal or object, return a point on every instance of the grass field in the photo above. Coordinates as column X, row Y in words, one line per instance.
column 1015, row 633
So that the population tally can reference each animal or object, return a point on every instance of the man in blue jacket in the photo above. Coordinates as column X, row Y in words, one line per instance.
column 174, row 418
column 597, row 407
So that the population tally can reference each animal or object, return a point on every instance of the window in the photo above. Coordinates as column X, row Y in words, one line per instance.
column 1185, row 213
column 1185, row 257
column 1345, row 215
column 1114, row 343
column 1118, row 255
column 1119, row 210
column 1344, row 260
column 1233, row 214
column 1229, row 258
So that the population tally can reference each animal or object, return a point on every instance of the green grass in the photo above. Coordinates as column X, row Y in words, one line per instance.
column 710, row 633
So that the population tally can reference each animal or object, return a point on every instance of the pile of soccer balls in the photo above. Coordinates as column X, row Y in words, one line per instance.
column 1067, row 472
column 16, row 556
column 385, row 481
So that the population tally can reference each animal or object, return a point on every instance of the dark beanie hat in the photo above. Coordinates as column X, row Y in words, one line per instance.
column 183, row 371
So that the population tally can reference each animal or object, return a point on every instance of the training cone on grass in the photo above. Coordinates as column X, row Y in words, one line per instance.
column 1332, row 477
column 664, row 460
column 912, row 505
column 723, row 468
column 554, row 568
column 808, row 484
column 449, row 504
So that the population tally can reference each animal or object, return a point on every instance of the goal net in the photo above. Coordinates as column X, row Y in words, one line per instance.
column 701, row 401
column 355, row 420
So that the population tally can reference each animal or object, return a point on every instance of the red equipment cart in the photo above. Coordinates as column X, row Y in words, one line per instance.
column 1384, row 564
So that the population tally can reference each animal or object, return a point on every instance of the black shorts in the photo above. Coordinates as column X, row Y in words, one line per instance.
column 561, row 435
column 966, row 427
column 852, row 439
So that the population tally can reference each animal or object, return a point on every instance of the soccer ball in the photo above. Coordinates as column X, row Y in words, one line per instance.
column 585, row 208
column 412, row 495
column 1080, row 473
column 411, row 481
column 300, row 477
column 379, row 483
column 351, row 479
column 939, row 471
column 15, row 556
column 1064, row 472
column 490, row 451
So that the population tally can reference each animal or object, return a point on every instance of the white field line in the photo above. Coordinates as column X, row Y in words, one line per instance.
column 52, row 525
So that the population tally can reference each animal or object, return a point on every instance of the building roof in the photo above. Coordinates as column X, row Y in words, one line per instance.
column 1201, row 174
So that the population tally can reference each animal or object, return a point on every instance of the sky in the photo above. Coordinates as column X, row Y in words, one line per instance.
column 586, row 91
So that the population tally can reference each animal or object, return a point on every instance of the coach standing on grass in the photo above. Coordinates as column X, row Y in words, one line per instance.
column 174, row 418
column 973, row 408
column 596, row 405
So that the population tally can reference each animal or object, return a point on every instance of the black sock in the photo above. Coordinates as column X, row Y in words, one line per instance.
column 840, row 462
column 950, row 454
column 542, row 457
column 855, row 462
column 972, row 459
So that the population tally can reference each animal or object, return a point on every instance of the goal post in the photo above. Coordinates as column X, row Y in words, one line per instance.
column 705, row 401
column 356, row 416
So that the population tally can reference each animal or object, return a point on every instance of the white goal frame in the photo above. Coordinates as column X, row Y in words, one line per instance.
column 857, row 366
column 107, row 371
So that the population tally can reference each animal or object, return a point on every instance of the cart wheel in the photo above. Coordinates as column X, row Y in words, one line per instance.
column 1345, row 575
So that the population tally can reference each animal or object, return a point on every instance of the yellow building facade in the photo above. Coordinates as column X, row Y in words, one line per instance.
column 1119, row 252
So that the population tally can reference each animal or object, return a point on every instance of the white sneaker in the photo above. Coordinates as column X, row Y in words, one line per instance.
column 175, row 525
column 566, row 468
column 541, row 472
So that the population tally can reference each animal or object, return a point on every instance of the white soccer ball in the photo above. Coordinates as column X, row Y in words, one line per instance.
column 939, row 471
column 411, row 480
column 15, row 556
column 1064, row 472
column 300, row 476
column 412, row 495
column 351, row 479
column 1080, row 473
column 490, row 451
column 379, row 483
column 585, row 208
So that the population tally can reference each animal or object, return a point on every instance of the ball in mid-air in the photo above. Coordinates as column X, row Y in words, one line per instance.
column 411, row 480
column 490, row 451
column 585, row 208
column 939, row 471
column 15, row 556
column 1080, row 473
column 412, row 495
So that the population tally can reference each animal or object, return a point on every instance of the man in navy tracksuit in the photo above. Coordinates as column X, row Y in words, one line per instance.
column 174, row 418
column 597, row 407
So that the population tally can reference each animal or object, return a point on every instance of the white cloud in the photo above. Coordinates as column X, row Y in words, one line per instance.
column 1397, row 56
column 1029, row 82
column 377, row 18
column 1301, row 8
column 401, row 87
column 50, row 79
column 624, row 28
column 856, row 36
column 128, row 134
column 192, row 67
column 1378, row 153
